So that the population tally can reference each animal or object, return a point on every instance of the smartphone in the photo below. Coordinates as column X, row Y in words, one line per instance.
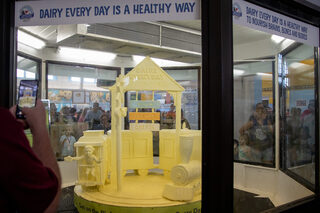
column 27, row 96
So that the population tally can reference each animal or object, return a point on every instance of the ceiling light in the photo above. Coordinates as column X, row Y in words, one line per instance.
column 89, row 80
column 30, row 40
column 238, row 72
column 277, row 39
column 296, row 65
column 30, row 75
column 76, row 79
column 20, row 73
column 85, row 53
column 264, row 74
column 138, row 58
column 158, row 61
column 50, row 77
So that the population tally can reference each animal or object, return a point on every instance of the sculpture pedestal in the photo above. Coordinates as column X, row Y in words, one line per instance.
column 139, row 194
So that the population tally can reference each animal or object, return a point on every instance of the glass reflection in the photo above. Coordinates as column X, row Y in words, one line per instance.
column 79, row 101
column 298, row 112
column 254, row 114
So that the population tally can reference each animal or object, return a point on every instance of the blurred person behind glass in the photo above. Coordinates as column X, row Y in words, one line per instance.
column 260, row 131
column 93, row 116
column 104, row 123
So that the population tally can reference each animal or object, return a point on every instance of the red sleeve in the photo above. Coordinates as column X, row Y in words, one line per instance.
column 27, row 184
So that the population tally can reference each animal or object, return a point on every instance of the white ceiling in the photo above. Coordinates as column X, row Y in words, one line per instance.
column 178, row 40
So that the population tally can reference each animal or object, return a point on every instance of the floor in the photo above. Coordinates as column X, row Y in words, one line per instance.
column 244, row 202
column 66, row 201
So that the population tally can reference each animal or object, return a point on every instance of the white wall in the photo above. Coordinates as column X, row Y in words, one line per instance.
column 69, row 173
column 268, row 182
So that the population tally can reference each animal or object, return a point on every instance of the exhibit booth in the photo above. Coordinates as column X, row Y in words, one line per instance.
column 173, row 95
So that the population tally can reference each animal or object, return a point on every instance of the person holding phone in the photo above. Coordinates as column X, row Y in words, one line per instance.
column 29, row 176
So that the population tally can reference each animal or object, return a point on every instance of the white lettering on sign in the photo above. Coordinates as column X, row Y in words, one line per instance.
column 265, row 20
column 145, row 126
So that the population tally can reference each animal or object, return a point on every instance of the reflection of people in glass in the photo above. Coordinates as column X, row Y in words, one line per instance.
column 235, row 149
column 63, row 116
column 93, row 116
column 67, row 141
column 171, row 114
column 104, row 123
column 83, row 114
column 260, row 131
column 293, row 134
column 307, row 119
column 244, row 148
column 54, row 115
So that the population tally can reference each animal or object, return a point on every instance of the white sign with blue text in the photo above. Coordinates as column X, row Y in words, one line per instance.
column 58, row 12
column 265, row 20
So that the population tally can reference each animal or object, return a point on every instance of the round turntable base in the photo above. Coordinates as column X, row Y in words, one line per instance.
column 138, row 194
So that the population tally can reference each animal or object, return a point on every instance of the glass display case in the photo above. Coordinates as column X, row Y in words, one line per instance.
column 78, row 102
column 297, row 95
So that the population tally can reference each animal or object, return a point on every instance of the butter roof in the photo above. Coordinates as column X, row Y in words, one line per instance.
column 147, row 75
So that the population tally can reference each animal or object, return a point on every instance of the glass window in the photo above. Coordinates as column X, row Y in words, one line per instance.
column 298, row 112
column 190, row 104
column 274, row 120
column 254, row 112
column 79, row 97
column 80, row 101
column 27, row 69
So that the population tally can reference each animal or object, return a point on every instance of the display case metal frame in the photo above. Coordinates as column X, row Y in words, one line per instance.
column 283, row 162
column 217, row 61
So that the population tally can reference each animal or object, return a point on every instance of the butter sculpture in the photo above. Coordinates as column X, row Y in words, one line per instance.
column 186, row 175
column 90, row 160
column 117, row 170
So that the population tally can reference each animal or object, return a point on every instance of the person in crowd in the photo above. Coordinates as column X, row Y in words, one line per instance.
column 184, row 122
column 306, row 146
column 260, row 131
column 293, row 134
column 67, row 141
column 93, row 116
column 72, row 114
column 169, row 118
column 83, row 114
column 108, row 113
column 78, row 114
column 245, row 153
column 54, row 115
column 30, row 179
column 293, row 125
column 104, row 123
column 63, row 115
column 235, row 149
column 308, row 111
column 171, row 114
column 308, row 119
